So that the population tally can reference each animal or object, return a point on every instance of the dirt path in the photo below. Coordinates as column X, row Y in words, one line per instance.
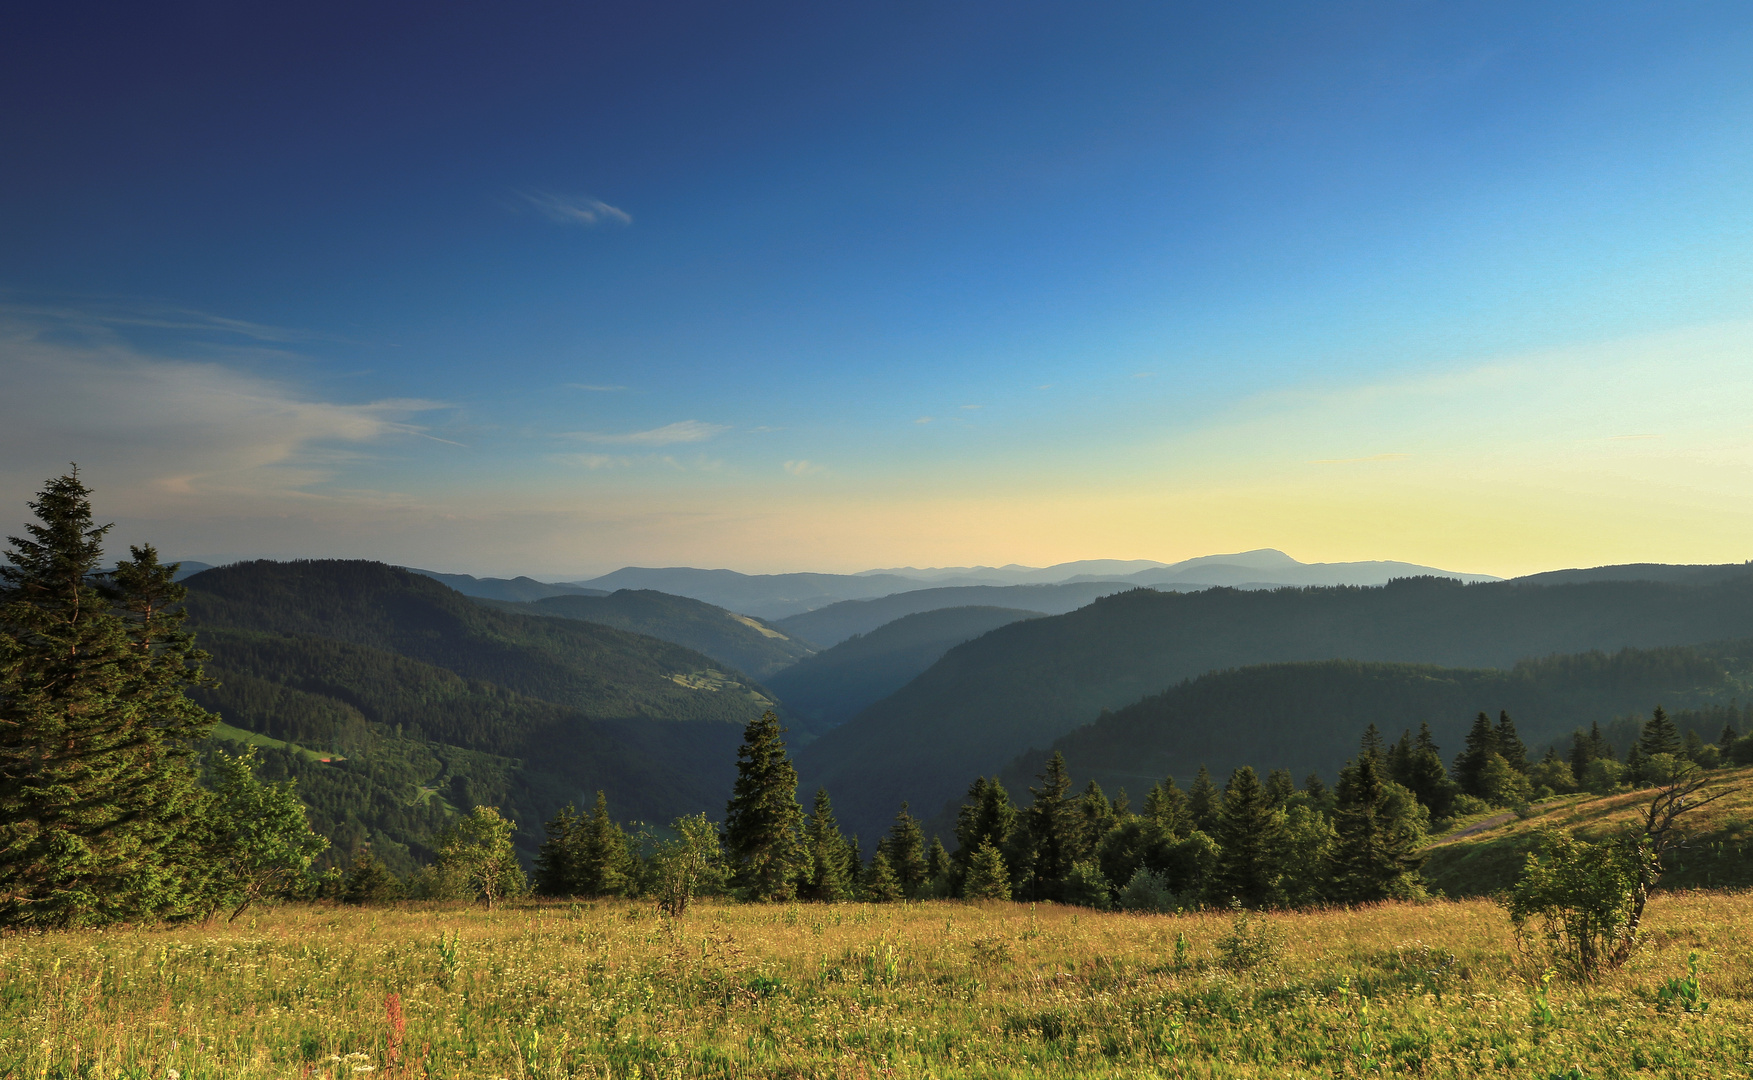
column 1491, row 822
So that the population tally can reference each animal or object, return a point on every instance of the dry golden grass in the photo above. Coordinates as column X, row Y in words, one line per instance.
column 1719, row 853
column 936, row 989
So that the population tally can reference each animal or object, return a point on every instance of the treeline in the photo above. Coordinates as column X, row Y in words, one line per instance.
column 1258, row 842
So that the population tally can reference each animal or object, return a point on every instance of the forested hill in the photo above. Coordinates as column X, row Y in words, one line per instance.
column 837, row 622
column 829, row 688
column 426, row 703
column 1028, row 683
column 1306, row 717
column 606, row 673
column 745, row 643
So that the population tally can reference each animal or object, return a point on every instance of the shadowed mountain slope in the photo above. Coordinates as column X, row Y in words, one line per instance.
column 833, row 624
column 832, row 686
column 748, row 644
column 1308, row 717
column 1028, row 683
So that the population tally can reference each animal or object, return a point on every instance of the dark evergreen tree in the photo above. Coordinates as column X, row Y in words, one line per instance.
column 880, row 884
column 98, row 794
column 904, row 849
column 1052, row 828
column 1374, row 745
column 604, row 864
column 1204, row 801
column 555, row 875
column 369, row 881
column 1694, row 746
column 1510, row 745
column 833, row 864
column 1250, row 835
column 986, row 817
column 1426, row 778
column 1471, row 762
column 1167, row 806
column 1660, row 736
column 940, row 870
column 1095, row 816
column 1279, row 788
column 1376, row 857
column 761, row 823
column 1726, row 742
column 1399, row 763
column 1316, row 789
column 988, row 877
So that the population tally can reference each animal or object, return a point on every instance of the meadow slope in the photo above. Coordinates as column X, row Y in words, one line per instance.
column 937, row 989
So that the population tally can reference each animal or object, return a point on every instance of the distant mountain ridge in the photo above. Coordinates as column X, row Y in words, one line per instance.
column 835, row 623
column 516, row 590
column 1025, row 684
column 778, row 596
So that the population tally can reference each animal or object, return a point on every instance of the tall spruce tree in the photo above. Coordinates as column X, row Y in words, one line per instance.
column 833, row 865
column 1251, row 836
column 1095, row 816
column 99, row 800
column 554, row 874
column 1204, row 801
column 987, row 816
column 1510, row 744
column 1660, row 736
column 762, row 822
column 1376, row 856
column 1166, row 805
column 1279, row 788
column 1471, row 762
column 604, row 862
column 1052, row 829
column 1426, row 778
column 904, row 848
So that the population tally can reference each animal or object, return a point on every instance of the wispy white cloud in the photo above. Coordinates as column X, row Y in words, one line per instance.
column 594, row 387
column 148, row 425
column 592, row 461
column 682, row 431
column 575, row 209
column 925, row 420
column 804, row 468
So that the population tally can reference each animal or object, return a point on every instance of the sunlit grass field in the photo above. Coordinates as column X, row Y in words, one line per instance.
column 934, row 989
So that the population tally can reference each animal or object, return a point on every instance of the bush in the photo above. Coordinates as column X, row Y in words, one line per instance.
column 1603, row 776
column 1149, row 892
column 1554, row 774
column 1253, row 942
column 1086, row 887
column 1663, row 769
column 1467, row 806
column 1584, row 898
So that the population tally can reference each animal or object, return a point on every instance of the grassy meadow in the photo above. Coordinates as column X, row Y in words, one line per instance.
column 933, row 989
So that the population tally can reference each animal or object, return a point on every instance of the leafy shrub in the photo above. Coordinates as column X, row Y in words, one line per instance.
column 1603, row 776
column 1253, row 942
column 1583, row 897
column 1086, row 887
column 1685, row 993
column 1148, row 891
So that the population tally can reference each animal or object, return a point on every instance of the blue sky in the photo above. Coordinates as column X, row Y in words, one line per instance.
column 558, row 288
